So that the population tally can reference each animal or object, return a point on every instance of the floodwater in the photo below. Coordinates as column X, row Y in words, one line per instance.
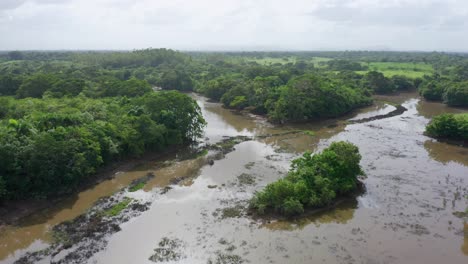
column 414, row 185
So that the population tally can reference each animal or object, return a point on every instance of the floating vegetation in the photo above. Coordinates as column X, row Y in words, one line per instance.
column 249, row 165
column 232, row 212
column 138, row 184
column 168, row 250
column 224, row 258
column 246, row 179
column 118, row 208
column 202, row 153
column 136, row 187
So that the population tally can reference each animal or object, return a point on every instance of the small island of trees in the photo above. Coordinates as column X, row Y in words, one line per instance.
column 449, row 126
column 314, row 181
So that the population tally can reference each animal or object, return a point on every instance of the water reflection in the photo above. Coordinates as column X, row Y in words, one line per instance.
column 445, row 153
column 341, row 214
column 429, row 109
column 37, row 226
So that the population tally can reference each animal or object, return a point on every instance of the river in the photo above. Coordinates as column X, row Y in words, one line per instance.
column 414, row 185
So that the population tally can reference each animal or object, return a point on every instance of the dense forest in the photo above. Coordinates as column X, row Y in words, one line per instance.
column 66, row 114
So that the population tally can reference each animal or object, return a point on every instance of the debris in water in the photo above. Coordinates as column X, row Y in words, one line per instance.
column 168, row 250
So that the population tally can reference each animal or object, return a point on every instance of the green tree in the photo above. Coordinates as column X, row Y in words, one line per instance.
column 451, row 126
column 67, row 87
column 175, row 79
column 9, row 84
column 313, row 181
column 36, row 85
column 456, row 94
column 402, row 83
column 377, row 82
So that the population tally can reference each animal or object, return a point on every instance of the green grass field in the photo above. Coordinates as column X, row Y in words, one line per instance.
column 412, row 70
column 269, row 60
column 318, row 60
column 389, row 69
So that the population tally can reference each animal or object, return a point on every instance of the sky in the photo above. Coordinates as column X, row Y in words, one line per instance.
column 423, row 25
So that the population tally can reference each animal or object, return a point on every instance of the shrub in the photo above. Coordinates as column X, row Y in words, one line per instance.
column 451, row 126
column 292, row 206
column 313, row 181
column 432, row 90
column 456, row 94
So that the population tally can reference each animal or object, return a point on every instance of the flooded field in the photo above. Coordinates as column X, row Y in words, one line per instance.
column 417, row 189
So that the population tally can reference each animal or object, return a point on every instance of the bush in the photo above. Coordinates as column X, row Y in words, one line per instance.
column 402, row 83
column 292, row 206
column 377, row 82
column 456, row 94
column 432, row 90
column 313, row 181
column 451, row 126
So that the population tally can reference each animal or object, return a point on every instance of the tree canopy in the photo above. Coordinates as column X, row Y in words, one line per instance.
column 313, row 181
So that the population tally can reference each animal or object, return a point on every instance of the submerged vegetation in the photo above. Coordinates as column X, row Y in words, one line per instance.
column 314, row 181
column 118, row 208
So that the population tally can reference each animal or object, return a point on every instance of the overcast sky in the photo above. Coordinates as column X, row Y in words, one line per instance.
column 235, row 24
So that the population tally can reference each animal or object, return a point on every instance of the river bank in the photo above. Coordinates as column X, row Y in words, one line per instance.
column 14, row 211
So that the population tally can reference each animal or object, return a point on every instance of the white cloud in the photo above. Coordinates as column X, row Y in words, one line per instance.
column 234, row 24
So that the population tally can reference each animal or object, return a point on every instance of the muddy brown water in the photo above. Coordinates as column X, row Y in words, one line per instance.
column 414, row 184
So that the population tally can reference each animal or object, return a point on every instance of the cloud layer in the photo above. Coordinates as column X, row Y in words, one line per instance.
column 235, row 24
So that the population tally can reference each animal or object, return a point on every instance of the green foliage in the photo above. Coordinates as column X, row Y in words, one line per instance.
column 175, row 79
column 118, row 208
column 130, row 88
column 432, row 90
column 67, row 87
column 461, row 72
column 377, row 82
column 137, row 187
column 9, row 84
column 345, row 65
column 451, row 126
column 456, row 94
column 36, row 85
column 216, row 88
column 402, row 83
column 451, row 92
column 239, row 102
column 49, row 146
column 313, row 181
column 312, row 97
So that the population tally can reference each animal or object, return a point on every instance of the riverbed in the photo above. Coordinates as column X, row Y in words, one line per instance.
column 414, row 185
